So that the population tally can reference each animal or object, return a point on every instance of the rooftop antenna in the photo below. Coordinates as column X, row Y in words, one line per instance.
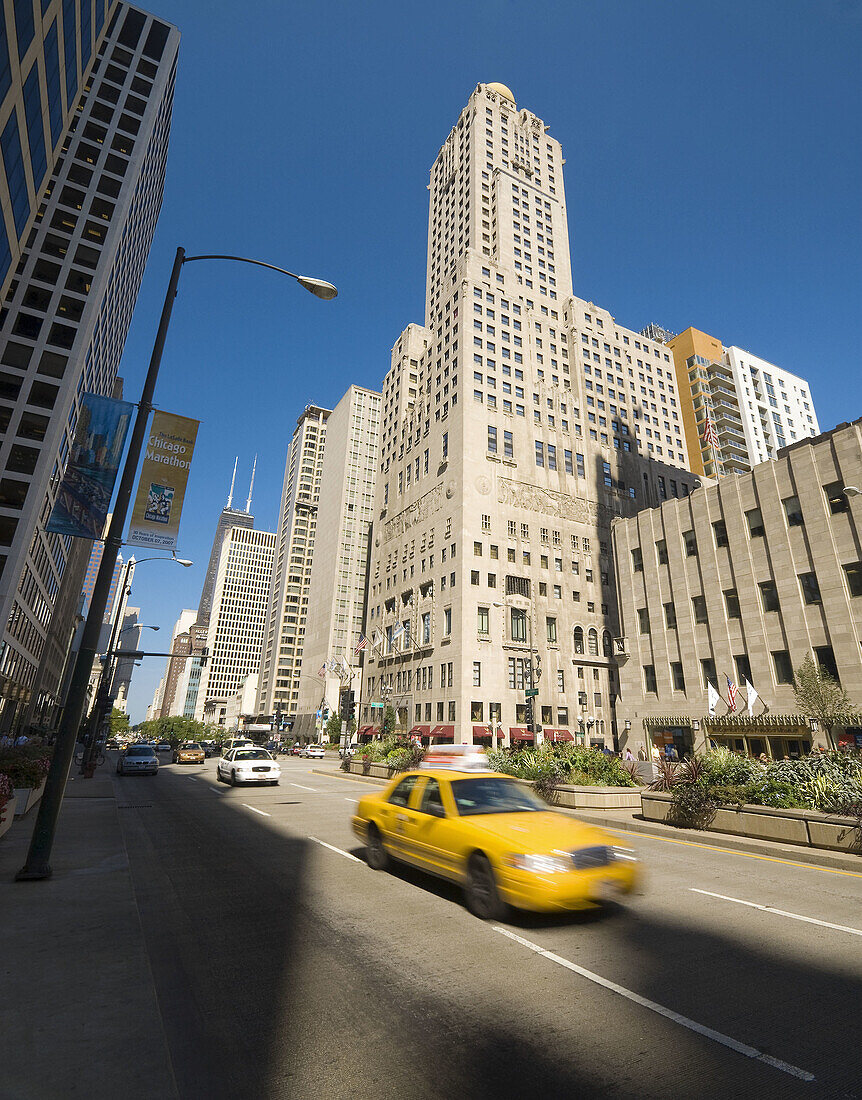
column 251, row 487
column 232, row 480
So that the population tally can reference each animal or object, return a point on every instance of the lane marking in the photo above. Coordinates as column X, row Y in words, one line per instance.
column 351, row 800
column 191, row 779
column 780, row 912
column 255, row 810
column 340, row 851
column 303, row 788
column 733, row 852
column 668, row 1013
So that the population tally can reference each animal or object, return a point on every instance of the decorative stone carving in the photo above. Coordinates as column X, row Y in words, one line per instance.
column 414, row 513
column 532, row 498
column 483, row 485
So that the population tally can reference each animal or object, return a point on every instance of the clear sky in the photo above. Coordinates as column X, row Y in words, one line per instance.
column 712, row 179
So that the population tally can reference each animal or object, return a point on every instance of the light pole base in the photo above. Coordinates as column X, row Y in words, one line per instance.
column 34, row 874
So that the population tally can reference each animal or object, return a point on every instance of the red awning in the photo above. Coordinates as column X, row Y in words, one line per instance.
column 481, row 733
column 420, row 731
column 557, row 734
column 519, row 733
column 445, row 733
column 363, row 730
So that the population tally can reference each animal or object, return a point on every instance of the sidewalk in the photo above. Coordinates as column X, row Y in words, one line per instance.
column 80, row 1015
column 631, row 821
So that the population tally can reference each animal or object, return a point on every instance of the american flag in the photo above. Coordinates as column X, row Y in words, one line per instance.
column 731, row 693
column 322, row 670
column 363, row 642
column 710, row 435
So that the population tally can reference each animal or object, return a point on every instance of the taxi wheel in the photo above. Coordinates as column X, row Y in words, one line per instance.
column 480, row 890
column 376, row 855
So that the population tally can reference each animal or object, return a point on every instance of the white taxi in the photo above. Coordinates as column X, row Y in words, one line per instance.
column 247, row 765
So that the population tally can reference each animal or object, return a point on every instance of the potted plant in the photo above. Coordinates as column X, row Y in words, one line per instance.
column 26, row 769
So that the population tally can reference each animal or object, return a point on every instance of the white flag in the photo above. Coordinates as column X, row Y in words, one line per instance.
column 397, row 631
column 712, row 697
column 751, row 695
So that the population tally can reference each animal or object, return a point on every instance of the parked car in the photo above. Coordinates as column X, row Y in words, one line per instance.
column 165, row 746
column 315, row 752
column 138, row 760
column 295, row 749
column 247, row 765
column 190, row 752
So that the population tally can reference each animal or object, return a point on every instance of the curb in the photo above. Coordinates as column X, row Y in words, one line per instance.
column 350, row 777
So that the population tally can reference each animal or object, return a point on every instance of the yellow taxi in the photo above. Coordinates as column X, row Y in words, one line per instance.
column 492, row 835
column 189, row 753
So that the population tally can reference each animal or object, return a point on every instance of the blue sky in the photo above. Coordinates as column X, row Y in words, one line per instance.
column 712, row 179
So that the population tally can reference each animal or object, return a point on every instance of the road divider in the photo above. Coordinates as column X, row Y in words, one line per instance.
column 661, row 1010
column 780, row 912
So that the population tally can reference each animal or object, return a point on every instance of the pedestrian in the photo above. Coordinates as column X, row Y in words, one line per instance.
column 641, row 753
column 763, row 758
column 5, row 741
column 629, row 755
column 21, row 739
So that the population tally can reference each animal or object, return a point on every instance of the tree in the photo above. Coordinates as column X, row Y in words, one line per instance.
column 333, row 728
column 119, row 721
column 389, row 721
column 819, row 695
column 174, row 729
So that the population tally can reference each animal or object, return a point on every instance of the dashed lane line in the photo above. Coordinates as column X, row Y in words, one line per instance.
column 303, row 788
column 668, row 1013
column 255, row 810
column 780, row 912
column 340, row 851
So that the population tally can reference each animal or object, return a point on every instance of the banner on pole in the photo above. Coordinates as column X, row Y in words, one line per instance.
column 84, row 495
column 159, row 501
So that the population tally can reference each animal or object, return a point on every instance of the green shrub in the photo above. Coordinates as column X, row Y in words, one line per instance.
column 724, row 768
column 24, row 767
column 692, row 806
column 548, row 777
column 405, row 758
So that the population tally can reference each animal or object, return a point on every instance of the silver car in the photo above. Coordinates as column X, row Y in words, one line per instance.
column 138, row 760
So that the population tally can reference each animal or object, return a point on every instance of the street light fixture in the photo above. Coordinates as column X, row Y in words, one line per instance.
column 38, row 864
column 852, row 491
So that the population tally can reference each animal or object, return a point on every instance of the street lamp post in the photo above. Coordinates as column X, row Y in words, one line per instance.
column 37, row 865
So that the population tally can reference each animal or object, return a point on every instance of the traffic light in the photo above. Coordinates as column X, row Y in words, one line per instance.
column 528, row 714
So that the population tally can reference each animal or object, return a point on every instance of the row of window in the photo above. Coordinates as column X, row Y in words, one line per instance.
column 781, row 665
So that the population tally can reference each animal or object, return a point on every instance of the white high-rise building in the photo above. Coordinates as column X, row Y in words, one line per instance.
column 776, row 406
column 69, row 305
column 281, row 658
column 237, row 619
column 336, row 591
column 515, row 425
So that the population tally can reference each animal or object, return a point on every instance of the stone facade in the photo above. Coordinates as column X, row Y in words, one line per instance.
column 742, row 580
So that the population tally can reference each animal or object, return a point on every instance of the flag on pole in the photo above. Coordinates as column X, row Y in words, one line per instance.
column 397, row 631
column 731, row 693
column 712, row 697
column 322, row 670
column 710, row 435
column 363, row 642
column 751, row 695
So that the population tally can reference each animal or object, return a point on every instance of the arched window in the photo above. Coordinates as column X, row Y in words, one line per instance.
column 594, row 642
column 579, row 639
column 606, row 644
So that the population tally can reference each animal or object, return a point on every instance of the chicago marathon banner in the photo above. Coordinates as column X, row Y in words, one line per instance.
column 84, row 496
column 162, row 487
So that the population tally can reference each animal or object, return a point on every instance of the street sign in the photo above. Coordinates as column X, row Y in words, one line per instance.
column 530, row 692
column 376, row 704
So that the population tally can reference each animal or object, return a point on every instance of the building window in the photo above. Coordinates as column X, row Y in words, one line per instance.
column 492, row 439
column 783, row 667
column 474, row 576
column 699, row 605
column 719, row 529
column 482, row 620
column 826, row 660
column 669, row 617
column 518, row 625
column 755, row 523
column 426, row 628
column 661, row 551
column 650, row 685
column 835, row 497
column 477, row 675
column 731, row 603
column 643, row 620
column 637, row 560
column 853, row 573
column 677, row 676
column 743, row 668
column 707, row 669
column 578, row 639
column 561, row 681
column 810, row 588
column 793, row 512
column 551, row 627
column 769, row 596
column 447, row 621
column 690, row 544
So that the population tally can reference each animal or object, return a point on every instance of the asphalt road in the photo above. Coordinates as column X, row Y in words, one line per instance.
column 285, row 967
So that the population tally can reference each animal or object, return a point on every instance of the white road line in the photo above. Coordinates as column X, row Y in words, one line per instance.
column 191, row 779
column 255, row 810
column 351, row 800
column 347, row 855
column 303, row 788
column 675, row 1017
column 781, row 912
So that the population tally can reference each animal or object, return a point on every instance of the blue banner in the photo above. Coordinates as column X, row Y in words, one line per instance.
column 85, row 492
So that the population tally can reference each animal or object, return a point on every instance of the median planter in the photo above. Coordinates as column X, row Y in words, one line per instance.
column 26, row 798
column 598, row 798
column 376, row 769
column 8, row 815
column 806, row 828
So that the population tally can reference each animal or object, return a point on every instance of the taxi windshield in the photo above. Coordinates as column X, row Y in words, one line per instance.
column 252, row 754
column 489, row 795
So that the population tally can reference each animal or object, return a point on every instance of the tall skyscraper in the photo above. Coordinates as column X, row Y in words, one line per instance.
column 738, row 409
column 237, row 619
column 102, row 103
column 171, row 703
column 230, row 517
column 339, row 571
column 515, row 424
column 281, row 656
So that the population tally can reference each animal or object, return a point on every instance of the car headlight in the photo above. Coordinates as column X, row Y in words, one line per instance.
column 625, row 855
column 538, row 864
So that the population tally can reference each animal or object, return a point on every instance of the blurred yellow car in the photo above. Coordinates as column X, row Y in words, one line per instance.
column 494, row 837
column 189, row 753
